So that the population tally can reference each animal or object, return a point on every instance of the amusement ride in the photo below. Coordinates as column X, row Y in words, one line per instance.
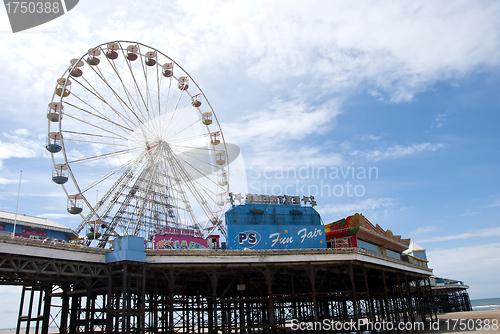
column 136, row 146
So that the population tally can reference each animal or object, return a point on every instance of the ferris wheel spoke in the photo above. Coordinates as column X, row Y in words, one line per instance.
column 195, row 153
column 176, row 108
column 188, row 180
column 144, row 141
column 199, row 198
column 120, row 100
column 207, row 191
column 94, row 92
column 204, row 150
column 185, row 109
column 86, row 134
column 138, row 90
column 93, row 142
column 126, row 90
column 194, row 122
column 100, row 117
column 101, row 156
column 172, row 142
column 115, row 220
column 95, row 126
column 112, row 196
column 132, row 101
column 181, row 192
column 145, row 103
column 168, row 157
column 210, row 167
column 158, row 96
column 170, row 94
column 105, row 177
column 149, row 103
column 170, row 99
column 150, row 191
column 178, row 100
column 159, row 79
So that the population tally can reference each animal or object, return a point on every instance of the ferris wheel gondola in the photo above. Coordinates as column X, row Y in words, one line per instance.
column 128, row 123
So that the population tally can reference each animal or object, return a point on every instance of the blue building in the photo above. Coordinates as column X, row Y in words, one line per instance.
column 34, row 228
column 267, row 223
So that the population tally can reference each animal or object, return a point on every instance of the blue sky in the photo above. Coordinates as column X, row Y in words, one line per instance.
column 409, row 89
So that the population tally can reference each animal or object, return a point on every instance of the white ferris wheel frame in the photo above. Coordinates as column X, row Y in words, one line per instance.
column 218, row 204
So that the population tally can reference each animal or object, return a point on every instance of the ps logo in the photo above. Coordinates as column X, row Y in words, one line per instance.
column 28, row 14
column 250, row 238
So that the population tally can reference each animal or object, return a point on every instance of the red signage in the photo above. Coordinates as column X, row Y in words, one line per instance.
column 173, row 230
column 34, row 232
column 2, row 227
column 171, row 241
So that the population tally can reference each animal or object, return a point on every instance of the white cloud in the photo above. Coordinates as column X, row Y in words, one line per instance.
column 477, row 266
column 7, row 181
column 472, row 213
column 376, row 94
column 25, row 149
column 482, row 233
column 292, row 157
column 45, row 194
column 373, row 137
column 360, row 206
column 494, row 204
column 10, row 296
column 280, row 121
column 401, row 48
column 439, row 120
column 54, row 215
column 19, row 145
column 423, row 230
column 398, row 48
column 397, row 151
column 19, row 132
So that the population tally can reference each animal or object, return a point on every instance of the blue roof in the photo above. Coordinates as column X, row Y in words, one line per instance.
column 272, row 214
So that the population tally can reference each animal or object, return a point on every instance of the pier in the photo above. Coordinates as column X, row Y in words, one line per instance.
column 208, row 291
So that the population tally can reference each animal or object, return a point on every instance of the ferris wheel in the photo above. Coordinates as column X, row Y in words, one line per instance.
column 136, row 145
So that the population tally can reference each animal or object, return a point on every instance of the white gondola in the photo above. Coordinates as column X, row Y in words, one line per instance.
column 195, row 101
column 60, row 174
column 54, row 112
column 222, row 178
column 53, row 142
column 150, row 58
column 75, row 204
column 220, row 157
column 132, row 52
column 63, row 87
column 77, row 69
column 93, row 57
column 214, row 138
column 111, row 52
column 168, row 70
column 183, row 83
column 206, row 118
column 221, row 199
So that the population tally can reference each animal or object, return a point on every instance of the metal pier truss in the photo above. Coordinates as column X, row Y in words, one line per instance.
column 209, row 291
